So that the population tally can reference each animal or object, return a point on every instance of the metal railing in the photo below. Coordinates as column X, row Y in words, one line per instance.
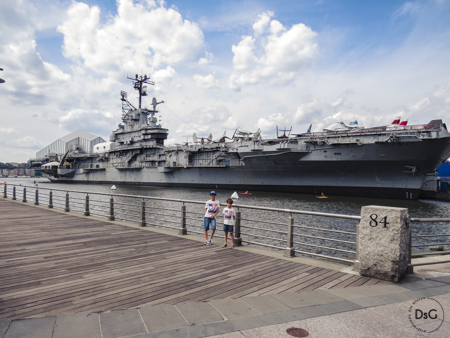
column 301, row 232
column 293, row 231
column 420, row 241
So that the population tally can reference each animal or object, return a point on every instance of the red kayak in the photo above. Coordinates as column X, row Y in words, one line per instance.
column 245, row 193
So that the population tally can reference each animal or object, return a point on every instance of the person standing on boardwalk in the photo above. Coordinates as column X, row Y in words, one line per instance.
column 212, row 209
column 229, row 217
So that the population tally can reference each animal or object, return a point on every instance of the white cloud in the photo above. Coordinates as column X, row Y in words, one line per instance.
column 284, row 52
column 206, row 120
column 95, row 122
column 262, row 24
column 243, row 53
column 141, row 35
column 434, row 105
column 8, row 131
column 209, row 57
column 207, row 81
column 29, row 142
column 319, row 112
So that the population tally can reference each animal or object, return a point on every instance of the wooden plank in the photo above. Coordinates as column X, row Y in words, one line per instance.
column 54, row 263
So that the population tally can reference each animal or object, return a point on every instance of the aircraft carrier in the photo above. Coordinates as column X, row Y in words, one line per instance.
column 387, row 161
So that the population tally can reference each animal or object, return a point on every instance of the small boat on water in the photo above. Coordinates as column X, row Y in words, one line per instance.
column 245, row 193
column 321, row 196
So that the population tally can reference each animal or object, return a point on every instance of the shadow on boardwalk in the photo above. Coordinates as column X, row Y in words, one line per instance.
column 53, row 263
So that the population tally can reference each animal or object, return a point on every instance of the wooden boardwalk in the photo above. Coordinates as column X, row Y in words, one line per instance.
column 53, row 263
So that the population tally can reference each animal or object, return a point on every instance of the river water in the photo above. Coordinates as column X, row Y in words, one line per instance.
column 272, row 220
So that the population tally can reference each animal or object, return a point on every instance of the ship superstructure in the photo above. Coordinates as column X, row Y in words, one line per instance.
column 387, row 161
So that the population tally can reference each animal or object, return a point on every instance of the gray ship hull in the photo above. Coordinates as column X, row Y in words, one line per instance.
column 373, row 170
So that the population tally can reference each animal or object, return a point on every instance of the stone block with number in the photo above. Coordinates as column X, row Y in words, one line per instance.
column 384, row 242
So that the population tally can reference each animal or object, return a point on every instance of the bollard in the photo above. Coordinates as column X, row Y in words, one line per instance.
column 183, row 230
column 142, row 223
column 24, row 195
column 237, row 230
column 36, row 197
column 50, row 200
column 384, row 240
column 14, row 193
column 289, row 251
column 111, row 209
column 5, row 194
column 86, row 206
column 67, row 209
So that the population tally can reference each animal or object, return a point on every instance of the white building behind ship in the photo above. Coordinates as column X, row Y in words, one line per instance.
column 78, row 140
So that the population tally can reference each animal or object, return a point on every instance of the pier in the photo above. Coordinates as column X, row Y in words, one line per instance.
column 64, row 271
column 54, row 263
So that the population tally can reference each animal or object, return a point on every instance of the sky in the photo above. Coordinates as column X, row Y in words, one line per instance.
column 219, row 65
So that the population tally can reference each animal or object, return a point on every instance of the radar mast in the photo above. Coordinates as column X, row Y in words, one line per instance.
column 138, row 84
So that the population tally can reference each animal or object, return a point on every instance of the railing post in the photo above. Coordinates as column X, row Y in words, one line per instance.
column 356, row 264
column 142, row 223
column 24, row 195
column 50, row 199
column 237, row 230
column 36, row 197
column 14, row 193
column 67, row 209
column 289, row 251
column 5, row 194
column 183, row 230
column 86, row 206
column 410, row 269
column 111, row 209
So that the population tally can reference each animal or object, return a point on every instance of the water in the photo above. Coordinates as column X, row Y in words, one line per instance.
column 254, row 220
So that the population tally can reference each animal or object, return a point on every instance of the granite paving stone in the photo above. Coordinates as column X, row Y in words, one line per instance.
column 415, row 283
column 234, row 308
column 230, row 335
column 199, row 313
column 79, row 325
column 443, row 279
column 403, row 296
column 347, row 293
column 195, row 331
column 247, row 323
column 306, row 298
column 162, row 317
column 330, row 308
column 374, row 301
column 378, row 290
column 265, row 304
column 121, row 323
column 31, row 328
column 4, row 324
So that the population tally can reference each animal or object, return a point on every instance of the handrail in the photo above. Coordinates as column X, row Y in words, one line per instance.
column 430, row 219
column 136, row 210
column 313, row 213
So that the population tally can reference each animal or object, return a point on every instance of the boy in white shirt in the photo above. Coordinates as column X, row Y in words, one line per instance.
column 212, row 209
column 229, row 217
